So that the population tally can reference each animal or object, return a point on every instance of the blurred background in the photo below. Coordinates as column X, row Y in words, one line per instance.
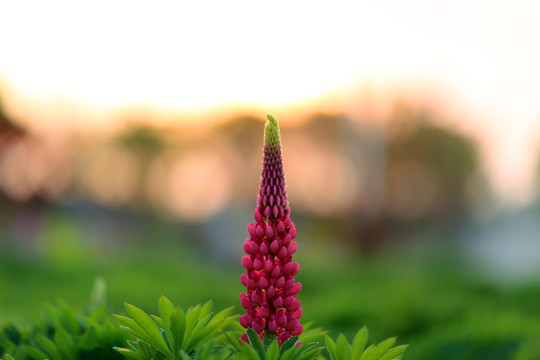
column 131, row 142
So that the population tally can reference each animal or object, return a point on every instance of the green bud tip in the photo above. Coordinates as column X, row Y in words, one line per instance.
column 271, row 132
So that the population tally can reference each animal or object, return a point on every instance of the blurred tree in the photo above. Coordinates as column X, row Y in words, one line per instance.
column 137, row 147
column 429, row 169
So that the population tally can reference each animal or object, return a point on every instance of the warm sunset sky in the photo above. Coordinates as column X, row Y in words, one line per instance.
column 69, row 63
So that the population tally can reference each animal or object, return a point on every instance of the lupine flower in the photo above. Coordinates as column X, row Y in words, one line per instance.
column 270, row 299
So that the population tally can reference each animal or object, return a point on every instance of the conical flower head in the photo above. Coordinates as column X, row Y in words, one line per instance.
column 270, row 299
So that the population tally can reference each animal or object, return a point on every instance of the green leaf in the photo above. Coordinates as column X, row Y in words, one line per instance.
column 367, row 351
column 195, row 333
column 150, row 327
column 35, row 353
column 256, row 343
column 68, row 319
column 359, row 343
column 192, row 316
column 166, row 309
column 8, row 357
column 310, row 352
column 331, row 347
column 220, row 321
column 98, row 296
column 272, row 350
column 128, row 353
column 343, row 348
column 394, row 353
column 205, row 310
column 65, row 344
column 178, row 327
column 378, row 350
column 247, row 351
column 268, row 339
column 49, row 347
column 289, row 343
column 310, row 335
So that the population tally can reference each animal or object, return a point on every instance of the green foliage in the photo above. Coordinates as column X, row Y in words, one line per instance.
column 342, row 350
column 175, row 334
column 66, row 335
column 269, row 349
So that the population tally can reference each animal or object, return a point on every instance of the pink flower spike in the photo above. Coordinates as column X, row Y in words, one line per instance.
column 270, row 300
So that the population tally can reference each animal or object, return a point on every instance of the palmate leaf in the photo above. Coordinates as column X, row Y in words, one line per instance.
column 174, row 334
column 342, row 350
column 150, row 327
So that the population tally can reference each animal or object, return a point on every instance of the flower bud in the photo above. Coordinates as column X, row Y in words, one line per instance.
column 251, row 284
column 269, row 232
column 276, row 271
column 244, row 301
column 270, row 292
column 268, row 265
column 245, row 320
column 295, row 268
column 287, row 239
column 291, row 325
column 292, row 248
column 247, row 263
column 254, row 247
column 263, row 249
column 263, row 282
column 255, row 299
column 260, row 231
column 274, row 246
column 295, row 289
column 289, row 284
column 258, row 324
column 287, row 268
column 288, row 301
column 297, row 330
column 281, row 321
column 294, row 306
column 257, row 264
column 272, row 326
column 251, row 230
column 292, row 231
column 257, row 216
column 244, row 279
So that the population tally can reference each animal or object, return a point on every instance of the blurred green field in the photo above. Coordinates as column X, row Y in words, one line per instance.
column 432, row 300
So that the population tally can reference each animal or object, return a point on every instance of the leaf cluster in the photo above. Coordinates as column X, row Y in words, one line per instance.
column 66, row 335
column 175, row 334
